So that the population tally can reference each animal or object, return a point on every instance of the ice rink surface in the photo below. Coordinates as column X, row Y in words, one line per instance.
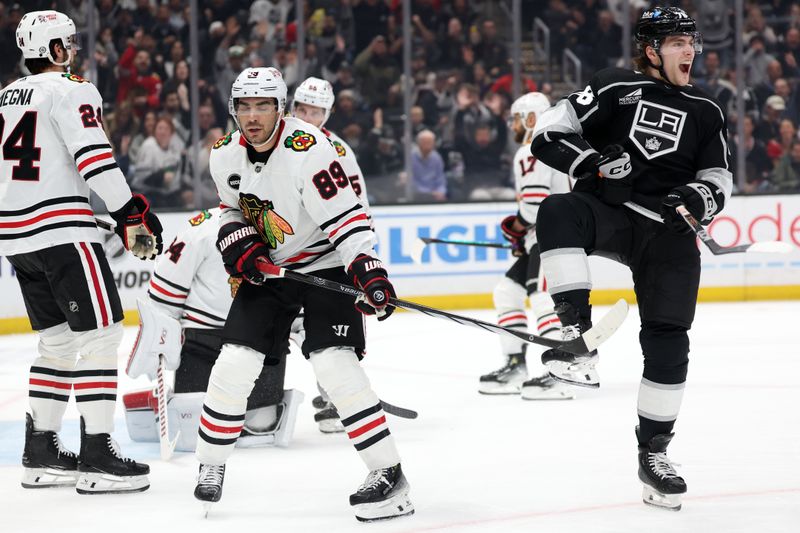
column 477, row 463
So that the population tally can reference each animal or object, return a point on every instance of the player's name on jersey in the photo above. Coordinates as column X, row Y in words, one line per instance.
column 16, row 97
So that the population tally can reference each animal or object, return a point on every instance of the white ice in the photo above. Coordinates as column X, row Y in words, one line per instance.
column 477, row 463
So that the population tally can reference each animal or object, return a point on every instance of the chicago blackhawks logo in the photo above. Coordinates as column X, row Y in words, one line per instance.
column 234, row 283
column 222, row 141
column 339, row 148
column 269, row 224
column 299, row 141
column 200, row 217
column 73, row 77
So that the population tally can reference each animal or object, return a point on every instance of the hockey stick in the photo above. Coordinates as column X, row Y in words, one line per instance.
column 400, row 412
column 144, row 240
column 773, row 247
column 421, row 242
column 167, row 447
column 590, row 340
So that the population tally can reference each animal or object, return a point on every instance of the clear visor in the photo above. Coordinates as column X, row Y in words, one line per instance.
column 266, row 107
column 308, row 111
column 677, row 44
column 76, row 41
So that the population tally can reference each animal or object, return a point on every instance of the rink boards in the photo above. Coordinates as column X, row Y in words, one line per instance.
column 463, row 277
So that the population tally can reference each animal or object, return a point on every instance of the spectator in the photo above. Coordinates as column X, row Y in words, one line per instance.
column 208, row 196
column 371, row 19
column 11, row 56
column 418, row 121
column 470, row 113
column 134, row 71
column 486, row 178
column 449, row 46
column 787, row 173
column 769, row 126
column 230, row 63
column 767, row 86
column 122, row 125
column 787, row 132
column 271, row 15
column 157, row 166
column 755, row 24
column 377, row 70
column 758, row 164
column 757, row 60
column 180, row 119
column 162, row 30
column 142, row 16
column 714, row 17
column 490, row 51
column 789, row 53
column 606, row 41
column 344, row 80
column 427, row 169
column 348, row 120
column 463, row 11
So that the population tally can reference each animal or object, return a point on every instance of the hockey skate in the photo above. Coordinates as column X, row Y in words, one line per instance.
column 383, row 495
column 209, row 485
column 545, row 387
column 567, row 367
column 103, row 470
column 47, row 463
column 505, row 380
column 328, row 419
column 663, row 486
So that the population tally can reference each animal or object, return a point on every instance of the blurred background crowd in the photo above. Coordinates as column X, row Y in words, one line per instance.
column 461, row 67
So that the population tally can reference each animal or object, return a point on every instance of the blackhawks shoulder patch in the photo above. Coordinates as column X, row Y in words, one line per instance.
column 299, row 141
column 222, row 141
column 74, row 77
column 200, row 217
column 340, row 150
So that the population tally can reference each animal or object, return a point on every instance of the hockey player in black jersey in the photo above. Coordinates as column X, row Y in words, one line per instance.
column 640, row 144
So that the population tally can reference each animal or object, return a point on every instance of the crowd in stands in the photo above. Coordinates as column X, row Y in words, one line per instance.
column 461, row 70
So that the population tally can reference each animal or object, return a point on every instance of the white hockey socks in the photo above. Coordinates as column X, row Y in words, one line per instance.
column 232, row 380
column 509, row 301
column 95, row 377
column 341, row 375
column 660, row 402
column 50, row 379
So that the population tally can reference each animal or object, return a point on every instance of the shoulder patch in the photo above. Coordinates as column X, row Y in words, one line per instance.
column 222, row 141
column 299, row 141
column 74, row 77
column 340, row 150
column 200, row 217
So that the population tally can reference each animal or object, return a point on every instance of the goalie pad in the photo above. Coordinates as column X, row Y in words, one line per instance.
column 159, row 334
column 184, row 409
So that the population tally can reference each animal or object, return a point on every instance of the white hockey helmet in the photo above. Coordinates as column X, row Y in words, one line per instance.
column 315, row 92
column 534, row 102
column 265, row 82
column 37, row 28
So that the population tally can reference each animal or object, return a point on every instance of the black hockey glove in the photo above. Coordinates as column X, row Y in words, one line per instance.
column 516, row 238
column 241, row 249
column 613, row 169
column 369, row 275
column 698, row 199
column 139, row 228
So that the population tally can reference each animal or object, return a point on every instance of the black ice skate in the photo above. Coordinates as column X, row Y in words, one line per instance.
column 47, row 463
column 103, row 470
column 319, row 403
column 383, row 495
column 209, row 485
column 505, row 380
column 545, row 387
column 663, row 486
column 328, row 419
column 567, row 367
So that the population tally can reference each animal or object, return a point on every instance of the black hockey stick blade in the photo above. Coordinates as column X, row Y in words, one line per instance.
column 769, row 247
column 400, row 412
column 422, row 242
column 590, row 340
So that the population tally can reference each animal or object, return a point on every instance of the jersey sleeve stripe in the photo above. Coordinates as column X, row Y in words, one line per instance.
column 45, row 216
column 48, row 227
column 349, row 233
column 164, row 291
column 535, row 195
column 163, row 301
column 48, row 202
column 338, row 217
column 90, row 148
column 198, row 321
column 89, row 160
column 304, row 255
column 99, row 170
column 204, row 313
column 168, row 282
column 356, row 218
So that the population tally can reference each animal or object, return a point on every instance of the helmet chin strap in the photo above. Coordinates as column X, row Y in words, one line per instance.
column 63, row 63
column 660, row 68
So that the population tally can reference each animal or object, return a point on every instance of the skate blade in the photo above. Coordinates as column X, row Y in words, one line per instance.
column 540, row 395
column 256, row 441
column 101, row 483
column 48, row 478
column 572, row 374
column 206, row 508
column 331, row 426
column 498, row 388
column 670, row 502
column 568, row 381
column 386, row 510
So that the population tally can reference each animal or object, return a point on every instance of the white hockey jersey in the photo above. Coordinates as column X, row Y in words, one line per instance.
column 535, row 181
column 300, row 201
column 350, row 164
column 53, row 150
column 189, row 281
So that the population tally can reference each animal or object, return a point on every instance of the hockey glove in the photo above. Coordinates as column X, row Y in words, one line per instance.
column 698, row 199
column 613, row 169
column 514, row 236
column 139, row 228
column 369, row 275
column 241, row 248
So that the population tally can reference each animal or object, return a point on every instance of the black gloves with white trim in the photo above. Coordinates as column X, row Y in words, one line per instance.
column 241, row 249
column 139, row 228
column 369, row 275
column 698, row 197
column 613, row 169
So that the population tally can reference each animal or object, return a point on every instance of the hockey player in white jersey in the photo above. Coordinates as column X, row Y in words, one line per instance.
column 54, row 152
column 287, row 201
column 188, row 299
column 534, row 182
column 313, row 100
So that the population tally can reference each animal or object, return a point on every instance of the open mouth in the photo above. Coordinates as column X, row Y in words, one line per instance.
column 685, row 67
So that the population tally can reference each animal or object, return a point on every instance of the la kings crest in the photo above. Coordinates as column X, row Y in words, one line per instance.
column 656, row 129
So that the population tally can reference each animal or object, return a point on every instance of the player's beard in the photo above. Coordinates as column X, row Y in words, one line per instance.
column 519, row 136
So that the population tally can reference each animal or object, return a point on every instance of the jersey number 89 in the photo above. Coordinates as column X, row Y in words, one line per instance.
column 328, row 182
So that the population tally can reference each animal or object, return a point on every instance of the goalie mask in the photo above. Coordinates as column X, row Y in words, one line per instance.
column 315, row 92
column 261, row 82
column 38, row 28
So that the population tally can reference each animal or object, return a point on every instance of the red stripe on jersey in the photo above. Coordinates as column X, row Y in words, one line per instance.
column 86, row 162
column 223, row 206
column 535, row 195
column 46, row 383
column 356, row 218
column 303, row 255
column 96, row 385
column 166, row 292
column 366, row 427
column 49, row 214
column 220, row 429
column 517, row 316
column 96, row 282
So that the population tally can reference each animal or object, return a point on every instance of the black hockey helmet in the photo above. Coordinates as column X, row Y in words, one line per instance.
column 660, row 22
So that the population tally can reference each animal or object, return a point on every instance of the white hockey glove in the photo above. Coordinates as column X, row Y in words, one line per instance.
column 158, row 335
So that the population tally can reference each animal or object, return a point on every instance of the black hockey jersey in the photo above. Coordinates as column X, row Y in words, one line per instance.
column 674, row 135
